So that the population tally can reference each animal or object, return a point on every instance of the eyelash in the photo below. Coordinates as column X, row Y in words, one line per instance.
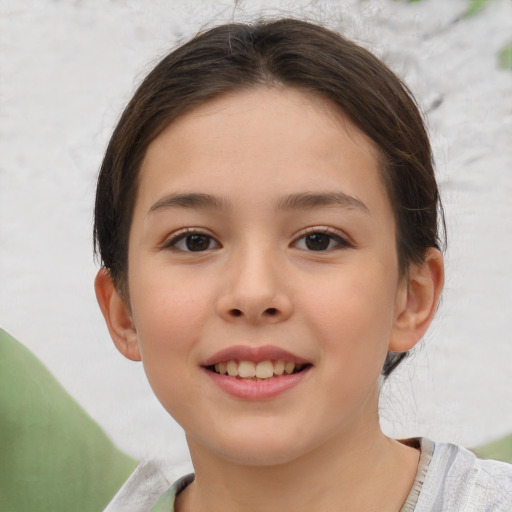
column 182, row 235
column 332, row 235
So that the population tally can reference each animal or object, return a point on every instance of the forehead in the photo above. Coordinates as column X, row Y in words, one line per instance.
column 262, row 141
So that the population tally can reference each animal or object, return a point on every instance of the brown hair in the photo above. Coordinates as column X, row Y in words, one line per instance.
column 288, row 52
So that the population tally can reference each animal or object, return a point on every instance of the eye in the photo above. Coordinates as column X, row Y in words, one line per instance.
column 192, row 242
column 318, row 240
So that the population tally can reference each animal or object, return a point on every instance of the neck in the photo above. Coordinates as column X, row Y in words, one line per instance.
column 369, row 472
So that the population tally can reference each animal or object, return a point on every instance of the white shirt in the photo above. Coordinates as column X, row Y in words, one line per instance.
column 449, row 479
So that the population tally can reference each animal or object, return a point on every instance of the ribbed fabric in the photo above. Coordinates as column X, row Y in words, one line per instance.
column 426, row 447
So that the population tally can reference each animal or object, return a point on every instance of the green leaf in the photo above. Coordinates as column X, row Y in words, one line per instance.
column 475, row 6
column 505, row 57
column 500, row 449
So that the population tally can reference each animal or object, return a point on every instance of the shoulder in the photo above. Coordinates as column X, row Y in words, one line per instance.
column 493, row 485
column 457, row 480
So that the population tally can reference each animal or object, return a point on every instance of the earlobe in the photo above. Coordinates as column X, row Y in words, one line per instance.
column 117, row 316
column 417, row 301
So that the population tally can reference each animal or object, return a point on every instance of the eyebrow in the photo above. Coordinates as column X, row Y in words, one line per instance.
column 300, row 201
column 190, row 200
column 308, row 200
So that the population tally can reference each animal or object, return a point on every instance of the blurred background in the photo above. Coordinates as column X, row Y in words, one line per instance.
column 67, row 68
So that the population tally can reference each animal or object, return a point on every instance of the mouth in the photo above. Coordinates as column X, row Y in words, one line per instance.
column 256, row 373
column 260, row 371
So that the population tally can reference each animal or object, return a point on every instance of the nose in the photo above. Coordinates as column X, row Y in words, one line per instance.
column 256, row 290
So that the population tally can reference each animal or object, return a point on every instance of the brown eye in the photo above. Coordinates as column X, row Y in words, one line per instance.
column 193, row 242
column 197, row 242
column 321, row 241
column 317, row 241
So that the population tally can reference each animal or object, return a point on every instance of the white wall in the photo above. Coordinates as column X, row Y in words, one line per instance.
column 66, row 71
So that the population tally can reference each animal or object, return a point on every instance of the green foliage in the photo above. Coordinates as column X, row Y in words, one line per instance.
column 475, row 6
column 53, row 455
column 505, row 57
column 500, row 449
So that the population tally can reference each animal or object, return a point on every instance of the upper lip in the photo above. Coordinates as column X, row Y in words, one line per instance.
column 254, row 354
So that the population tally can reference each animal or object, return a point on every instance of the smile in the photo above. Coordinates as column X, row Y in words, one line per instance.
column 263, row 370
column 256, row 373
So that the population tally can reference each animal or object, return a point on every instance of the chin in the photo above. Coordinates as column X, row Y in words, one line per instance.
column 256, row 457
column 256, row 447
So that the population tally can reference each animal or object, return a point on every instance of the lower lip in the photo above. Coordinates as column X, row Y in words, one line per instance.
column 257, row 389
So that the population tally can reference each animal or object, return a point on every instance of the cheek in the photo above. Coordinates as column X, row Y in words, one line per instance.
column 169, row 312
column 353, row 312
column 352, row 320
column 169, row 316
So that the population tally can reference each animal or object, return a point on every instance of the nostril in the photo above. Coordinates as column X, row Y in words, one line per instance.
column 236, row 312
column 271, row 311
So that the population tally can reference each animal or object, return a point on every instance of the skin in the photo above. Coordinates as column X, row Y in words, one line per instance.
column 258, row 283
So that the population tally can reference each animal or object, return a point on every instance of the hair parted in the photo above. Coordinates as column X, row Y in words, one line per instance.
column 284, row 52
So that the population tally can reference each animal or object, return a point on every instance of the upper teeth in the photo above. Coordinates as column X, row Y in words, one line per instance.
column 249, row 369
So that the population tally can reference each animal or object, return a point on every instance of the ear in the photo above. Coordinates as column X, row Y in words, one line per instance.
column 417, row 300
column 117, row 316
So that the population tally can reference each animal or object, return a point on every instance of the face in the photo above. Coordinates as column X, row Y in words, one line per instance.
column 263, row 275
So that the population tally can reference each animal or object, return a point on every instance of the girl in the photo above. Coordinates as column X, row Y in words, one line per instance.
column 267, row 217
